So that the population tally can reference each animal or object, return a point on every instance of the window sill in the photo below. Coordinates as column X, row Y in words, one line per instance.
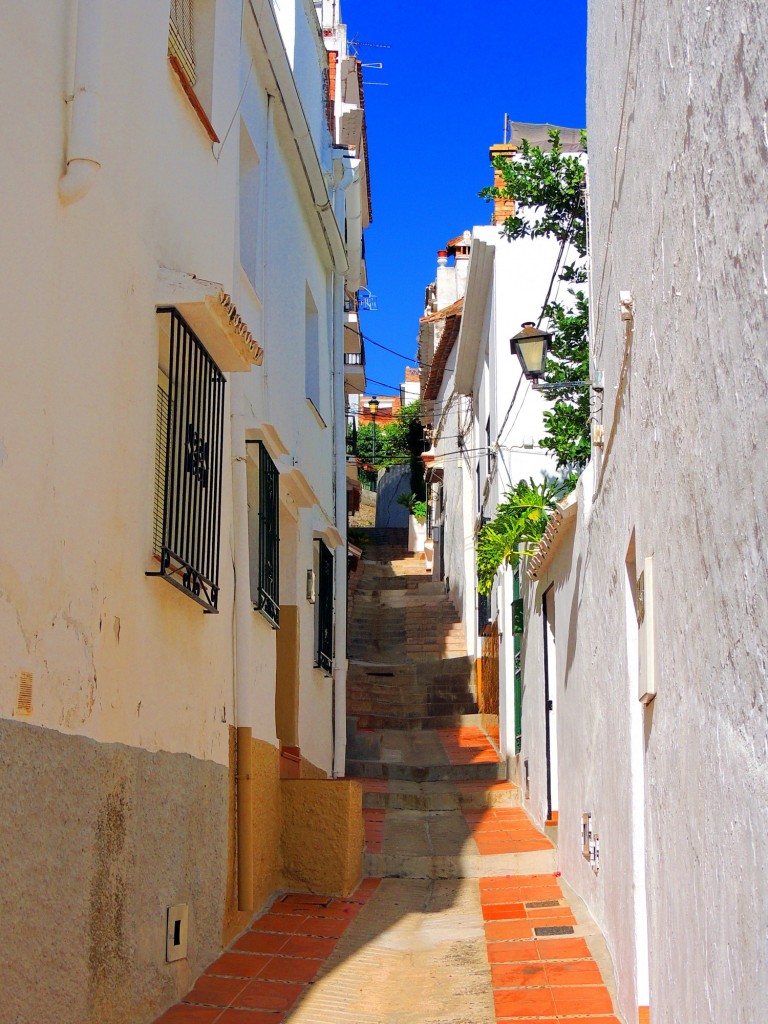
column 192, row 97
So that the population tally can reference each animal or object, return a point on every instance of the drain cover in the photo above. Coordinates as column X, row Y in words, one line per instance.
column 543, row 903
column 559, row 929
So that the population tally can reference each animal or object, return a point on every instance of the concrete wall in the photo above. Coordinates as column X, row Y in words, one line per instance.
column 678, row 792
column 394, row 481
column 95, row 842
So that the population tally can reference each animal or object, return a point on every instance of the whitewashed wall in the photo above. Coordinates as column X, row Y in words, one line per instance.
column 678, row 792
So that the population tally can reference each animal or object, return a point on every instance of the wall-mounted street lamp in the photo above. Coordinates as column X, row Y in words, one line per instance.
column 530, row 346
column 373, row 408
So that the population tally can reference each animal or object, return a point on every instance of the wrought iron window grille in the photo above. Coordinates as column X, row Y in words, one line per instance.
column 189, row 465
column 268, row 591
column 325, row 609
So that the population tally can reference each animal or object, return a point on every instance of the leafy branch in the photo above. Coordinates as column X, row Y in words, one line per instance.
column 516, row 529
column 547, row 188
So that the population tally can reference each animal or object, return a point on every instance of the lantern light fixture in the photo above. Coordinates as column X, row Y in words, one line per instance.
column 530, row 345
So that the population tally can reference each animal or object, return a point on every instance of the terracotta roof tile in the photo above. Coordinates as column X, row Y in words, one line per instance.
column 446, row 311
column 444, row 349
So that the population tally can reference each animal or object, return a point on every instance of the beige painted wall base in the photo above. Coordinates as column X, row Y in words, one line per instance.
column 307, row 833
column 322, row 835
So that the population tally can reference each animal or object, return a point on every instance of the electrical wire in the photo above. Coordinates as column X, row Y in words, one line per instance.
column 408, row 359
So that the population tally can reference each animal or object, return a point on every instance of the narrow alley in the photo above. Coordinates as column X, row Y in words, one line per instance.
column 462, row 917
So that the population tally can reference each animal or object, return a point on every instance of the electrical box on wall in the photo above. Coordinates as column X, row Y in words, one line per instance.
column 176, row 932
column 586, row 835
column 645, row 639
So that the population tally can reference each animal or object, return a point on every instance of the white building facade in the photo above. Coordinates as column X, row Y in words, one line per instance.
column 486, row 420
column 645, row 612
column 172, row 413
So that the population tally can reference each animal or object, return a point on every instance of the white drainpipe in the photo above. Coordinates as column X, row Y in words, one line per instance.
column 82, row 149
column 350, row 175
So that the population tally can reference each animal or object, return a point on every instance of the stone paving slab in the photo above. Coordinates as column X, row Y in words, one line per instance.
column 415, row 955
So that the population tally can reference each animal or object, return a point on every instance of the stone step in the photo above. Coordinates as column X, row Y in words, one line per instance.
column 364, row 769
column 459, row 865
column 416, row 723
column 442, row 796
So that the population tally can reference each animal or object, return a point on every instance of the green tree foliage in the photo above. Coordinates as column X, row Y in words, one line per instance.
column 548, row 191
column 400, row 442
column 516, row 529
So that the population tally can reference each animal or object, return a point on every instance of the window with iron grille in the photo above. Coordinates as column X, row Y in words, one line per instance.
column 325, row 608
column 181, row 42
column 188, row 461
column 268, row 588
column 483, row 611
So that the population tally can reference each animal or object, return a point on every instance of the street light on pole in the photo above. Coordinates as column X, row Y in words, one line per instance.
column 373, row 408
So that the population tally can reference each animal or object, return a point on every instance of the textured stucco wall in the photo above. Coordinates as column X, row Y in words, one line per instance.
column 678, row 147
column 322, row 834
column 394, row 481
column 95, row 844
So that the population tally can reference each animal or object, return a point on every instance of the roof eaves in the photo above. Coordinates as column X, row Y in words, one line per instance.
column 560, row 522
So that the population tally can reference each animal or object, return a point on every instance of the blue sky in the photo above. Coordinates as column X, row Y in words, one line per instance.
column 453, row 70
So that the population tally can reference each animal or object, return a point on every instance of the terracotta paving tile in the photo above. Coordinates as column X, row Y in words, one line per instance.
column 523, row 1002
column 239, row 965
column 512, row 952
column 211, row 990
column 518, row 881
column 563, row 949
column 323, row 927
column 278, row 923
column 582, row 999
column 190, row 1015
column 538, row 1020
column 500, row 931
column 563, row 915
column 250, row 1017
column 518, row 975
column 290, row 968
column 337, row 912
column 269, row 995
column 261, row 942
column 503, row 911
column 294, row 899
column 366, row 889
column 306, row 946
column 574, row 972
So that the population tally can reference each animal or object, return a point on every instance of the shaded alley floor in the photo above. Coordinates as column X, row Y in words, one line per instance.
column 463, row 918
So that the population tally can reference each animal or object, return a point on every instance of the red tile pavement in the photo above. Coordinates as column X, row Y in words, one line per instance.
column 505, row 830
column 467, row 745
column 547, row 980
column 268, row 969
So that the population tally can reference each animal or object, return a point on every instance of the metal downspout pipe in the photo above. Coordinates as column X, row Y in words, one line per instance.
column 350, row 177
column 244, row 690
column 83, row 161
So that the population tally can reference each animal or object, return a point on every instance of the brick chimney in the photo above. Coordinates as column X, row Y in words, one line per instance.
column 502, row 208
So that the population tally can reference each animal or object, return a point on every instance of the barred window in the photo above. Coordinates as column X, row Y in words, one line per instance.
column 325, row 608
column 188, row 462
column 268, row 586
column 181, row 43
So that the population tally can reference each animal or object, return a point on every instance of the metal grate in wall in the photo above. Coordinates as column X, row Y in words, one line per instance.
column 269, row 538
column 325, row 610
column 188, row 515
column 181, row 42
column 24, row 694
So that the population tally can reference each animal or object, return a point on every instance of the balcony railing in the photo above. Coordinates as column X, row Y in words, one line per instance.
column 354, row 359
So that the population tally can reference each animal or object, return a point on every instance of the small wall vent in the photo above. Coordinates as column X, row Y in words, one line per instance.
column 24, row 695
